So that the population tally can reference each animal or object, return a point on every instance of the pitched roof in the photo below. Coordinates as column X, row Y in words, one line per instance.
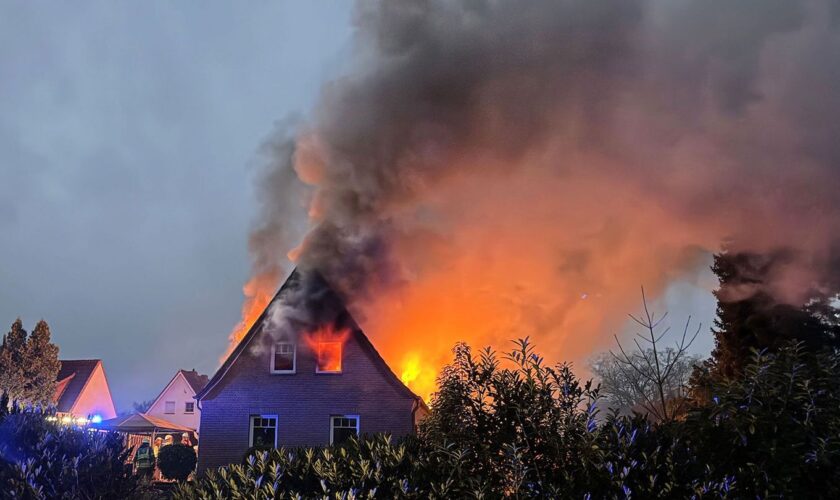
column 72, row 378
column 140, row 422
column 293, row 283
column 196, row 380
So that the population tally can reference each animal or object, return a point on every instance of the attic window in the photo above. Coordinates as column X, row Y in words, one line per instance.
column 169, row 407
column 329, row 357
column 283, row 357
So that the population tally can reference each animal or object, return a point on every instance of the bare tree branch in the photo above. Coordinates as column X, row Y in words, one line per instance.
column 651, row 378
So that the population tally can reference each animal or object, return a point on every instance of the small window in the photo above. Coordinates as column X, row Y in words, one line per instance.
column 263, row 431
column 329, row 357
column 189, row 407
column 283, row 357
column 169, row 407
column 342, row 427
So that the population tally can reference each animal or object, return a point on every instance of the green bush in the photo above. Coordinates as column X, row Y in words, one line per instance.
column 253, row 450
column 533, row 431
column 43, row 460
column 176, row 461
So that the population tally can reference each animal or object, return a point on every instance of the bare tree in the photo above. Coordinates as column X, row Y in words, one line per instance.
column 649, row 377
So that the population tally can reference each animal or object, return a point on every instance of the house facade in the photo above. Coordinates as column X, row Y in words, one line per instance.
column 176, row 402
column 304, row 375
column 82, row 391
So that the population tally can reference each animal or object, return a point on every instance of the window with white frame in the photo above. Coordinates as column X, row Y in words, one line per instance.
column 263, row 432
column 169, row 407
column 283, row 356
column 328, row 357
column 189, row 407
column 342, row 427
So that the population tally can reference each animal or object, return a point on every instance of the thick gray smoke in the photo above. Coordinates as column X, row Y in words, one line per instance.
column 514, row 157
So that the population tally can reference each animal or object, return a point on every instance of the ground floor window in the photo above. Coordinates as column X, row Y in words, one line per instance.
column 263, row 431
column 342, row 427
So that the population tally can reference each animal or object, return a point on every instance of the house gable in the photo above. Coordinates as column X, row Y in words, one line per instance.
column 94, row 397
column 180, row 390
column 300, row 405
column 311, row 292
column 72, row 377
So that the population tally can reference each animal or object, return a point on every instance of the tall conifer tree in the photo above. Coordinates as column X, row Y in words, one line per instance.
column 42, row 367
column 12, row 360
column 29, row 365
column 749, row 316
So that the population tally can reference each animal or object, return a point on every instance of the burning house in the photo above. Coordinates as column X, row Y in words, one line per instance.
column 304, row 375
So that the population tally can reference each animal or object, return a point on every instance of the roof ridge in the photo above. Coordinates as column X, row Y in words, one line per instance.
column 223, row 369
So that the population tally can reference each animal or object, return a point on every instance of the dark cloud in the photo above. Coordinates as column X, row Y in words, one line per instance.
column 125, row 191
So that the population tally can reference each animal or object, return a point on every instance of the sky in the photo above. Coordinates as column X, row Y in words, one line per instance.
column 129, row 137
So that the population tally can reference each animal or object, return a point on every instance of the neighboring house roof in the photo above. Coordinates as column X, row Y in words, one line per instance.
column 72, row 378
column 195, row 380
column 141, row 423
column 61, row 386
column 293, row 282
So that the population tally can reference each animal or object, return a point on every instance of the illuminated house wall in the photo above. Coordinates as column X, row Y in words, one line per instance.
column 176, row 403
column 303, row 402
column 82, row 390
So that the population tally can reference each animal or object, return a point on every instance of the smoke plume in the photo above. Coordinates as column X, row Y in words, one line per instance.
column 493, row 169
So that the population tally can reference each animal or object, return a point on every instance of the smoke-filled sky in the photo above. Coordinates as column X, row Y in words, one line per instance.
column 490, row 170
column 129, row 134
column 469, row 170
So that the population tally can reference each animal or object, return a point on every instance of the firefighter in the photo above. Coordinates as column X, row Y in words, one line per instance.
column 144, row 460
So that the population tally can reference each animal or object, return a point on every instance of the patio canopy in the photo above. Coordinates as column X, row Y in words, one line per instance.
column 139, row 423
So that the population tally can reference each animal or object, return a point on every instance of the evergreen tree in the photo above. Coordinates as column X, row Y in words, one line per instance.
column 750, row 317
column 12, row 361
column 42, row 366
column 29, row 365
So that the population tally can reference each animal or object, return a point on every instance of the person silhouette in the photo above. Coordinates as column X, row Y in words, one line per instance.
column 144, row 460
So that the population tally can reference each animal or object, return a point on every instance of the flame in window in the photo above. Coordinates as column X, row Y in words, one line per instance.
column 329, row 356
column 327, row 343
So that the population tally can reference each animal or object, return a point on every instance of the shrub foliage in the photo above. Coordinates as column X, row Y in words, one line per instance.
column 511, row 426
column 43, row 460
column 176, row 461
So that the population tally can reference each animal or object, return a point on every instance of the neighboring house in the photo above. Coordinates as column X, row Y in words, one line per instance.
column 81, row 391
column 176, row 402
column 304, row 375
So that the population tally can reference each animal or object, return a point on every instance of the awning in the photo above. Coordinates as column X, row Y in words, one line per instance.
column 140, row 423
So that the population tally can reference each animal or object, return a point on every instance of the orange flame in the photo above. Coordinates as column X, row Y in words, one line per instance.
column 258, row 292
column 327, row 343
column 411, row 370
column 419, row 376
